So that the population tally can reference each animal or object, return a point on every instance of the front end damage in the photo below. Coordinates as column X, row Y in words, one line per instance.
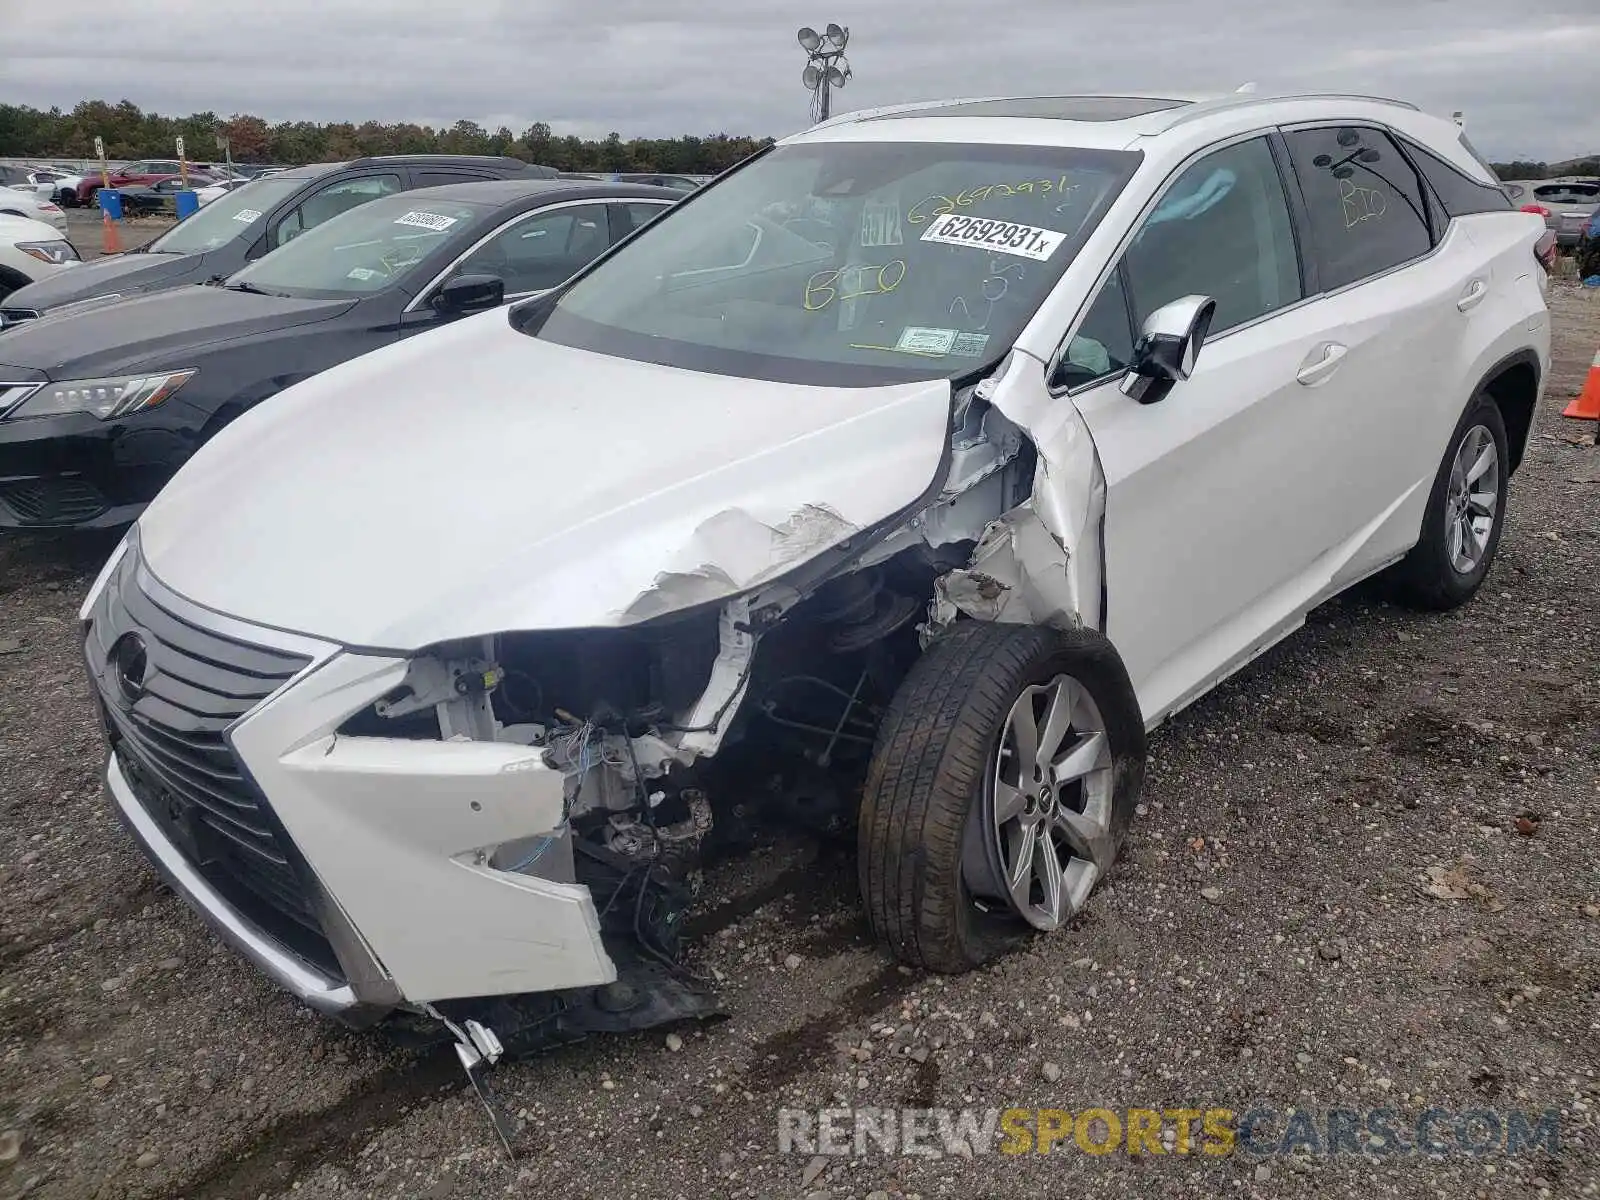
column 504, row 832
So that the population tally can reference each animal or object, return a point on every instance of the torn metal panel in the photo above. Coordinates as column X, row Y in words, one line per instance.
column 1018, row 575
column 733, row 551
column 1068, row 485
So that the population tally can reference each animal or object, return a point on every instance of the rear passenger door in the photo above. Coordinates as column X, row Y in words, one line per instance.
column 1400, row 288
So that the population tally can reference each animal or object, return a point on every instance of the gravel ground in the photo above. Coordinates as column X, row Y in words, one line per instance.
column 1273, row 934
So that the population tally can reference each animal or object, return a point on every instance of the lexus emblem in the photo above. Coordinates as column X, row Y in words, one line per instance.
column 130, row 662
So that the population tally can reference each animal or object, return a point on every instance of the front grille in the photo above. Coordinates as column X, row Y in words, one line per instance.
column 62, row 500
column 168, row 737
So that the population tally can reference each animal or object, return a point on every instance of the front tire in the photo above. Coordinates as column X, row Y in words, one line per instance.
column 1465, row 515
column 1000, row 790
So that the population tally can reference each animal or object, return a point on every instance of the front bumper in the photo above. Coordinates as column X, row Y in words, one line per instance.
column 78, row 472
column 353, row 871
column 322, row 991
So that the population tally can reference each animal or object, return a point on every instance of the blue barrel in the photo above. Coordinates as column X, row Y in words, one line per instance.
column 188, row 203
column 110, row 202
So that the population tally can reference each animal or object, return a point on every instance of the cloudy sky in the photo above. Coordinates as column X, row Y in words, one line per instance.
column 1523, row 71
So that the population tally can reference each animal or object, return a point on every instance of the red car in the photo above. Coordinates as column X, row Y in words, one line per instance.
column 145, row 173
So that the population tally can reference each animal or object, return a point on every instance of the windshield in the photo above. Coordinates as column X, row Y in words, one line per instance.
column 846, row 263
column 362, row 250
column 236, row 214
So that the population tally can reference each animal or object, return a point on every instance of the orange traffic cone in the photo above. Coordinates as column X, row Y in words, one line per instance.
column 110, row 243
column 1585, row 405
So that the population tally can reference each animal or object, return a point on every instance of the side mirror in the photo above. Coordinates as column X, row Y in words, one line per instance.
column 470, row 293
column 1167, row 349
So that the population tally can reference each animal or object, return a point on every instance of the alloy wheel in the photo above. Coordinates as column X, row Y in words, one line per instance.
column 1046, row 816
column 1473, row 499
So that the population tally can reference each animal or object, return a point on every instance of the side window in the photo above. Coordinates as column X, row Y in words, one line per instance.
column 1368, row 212
column 432, row 178
column 330, row 202
column 641, row 214
column 1221, row 230
column 542, row 250
column 1104, row 341
column 1460, row 194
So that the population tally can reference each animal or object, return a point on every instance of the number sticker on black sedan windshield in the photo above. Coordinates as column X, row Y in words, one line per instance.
column 437, row 222
column 1002, row 237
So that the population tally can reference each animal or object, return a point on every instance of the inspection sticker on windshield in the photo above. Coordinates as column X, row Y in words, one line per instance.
column 426, row 220
column 1004, row 237
column 920, row 339
column 880, row 224
column 363, row 274
column 247, row 215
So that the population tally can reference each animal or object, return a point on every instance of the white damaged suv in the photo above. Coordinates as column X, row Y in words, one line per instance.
column 894, row 484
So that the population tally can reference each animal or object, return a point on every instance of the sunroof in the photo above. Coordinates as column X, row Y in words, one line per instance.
column 1057, row 108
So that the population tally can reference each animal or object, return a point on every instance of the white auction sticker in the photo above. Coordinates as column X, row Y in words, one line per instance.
column 363, row 274
column 247, row 215
column 920, row 339
column 426, row 220
column 1002, row 237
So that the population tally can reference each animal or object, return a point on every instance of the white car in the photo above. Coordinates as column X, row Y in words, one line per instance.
column 15, row 202
column 898, row 481
column 29, row 251
column 44, row 182
column 211, row 191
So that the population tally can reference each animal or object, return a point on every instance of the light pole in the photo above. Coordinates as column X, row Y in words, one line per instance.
column 826, row 66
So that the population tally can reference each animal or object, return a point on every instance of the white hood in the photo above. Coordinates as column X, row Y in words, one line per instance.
column 476, row 480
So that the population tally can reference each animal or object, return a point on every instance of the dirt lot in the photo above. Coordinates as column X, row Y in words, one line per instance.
column 1273, row 934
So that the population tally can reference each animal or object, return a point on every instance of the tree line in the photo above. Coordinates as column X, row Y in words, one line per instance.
column 1524, row 169
column 130, row 133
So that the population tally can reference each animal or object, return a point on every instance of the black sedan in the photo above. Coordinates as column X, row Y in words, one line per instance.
column 101, row 403
column 252, row 221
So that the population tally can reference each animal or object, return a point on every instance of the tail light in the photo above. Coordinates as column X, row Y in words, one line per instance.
column 1538, row 210
column 1545, row 250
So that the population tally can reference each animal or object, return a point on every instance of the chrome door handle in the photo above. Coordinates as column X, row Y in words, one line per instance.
column 1473, row 296
column 1317, row 371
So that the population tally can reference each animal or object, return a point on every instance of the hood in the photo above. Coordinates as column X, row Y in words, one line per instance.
column 477, row 480
column 122, row 273
column 152, row 330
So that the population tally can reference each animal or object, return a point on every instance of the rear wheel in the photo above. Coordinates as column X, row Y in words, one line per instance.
column 1001, row 787
column 1465, row 515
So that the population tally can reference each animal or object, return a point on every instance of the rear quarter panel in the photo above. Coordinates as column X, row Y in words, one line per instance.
column 1514, row 318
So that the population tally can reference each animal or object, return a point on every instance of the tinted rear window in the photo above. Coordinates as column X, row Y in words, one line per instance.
column 1368, row 212
column 1460, row 194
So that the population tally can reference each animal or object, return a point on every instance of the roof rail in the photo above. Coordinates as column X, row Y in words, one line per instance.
column 1203, row 108
column 504, row 160
column 867, row 114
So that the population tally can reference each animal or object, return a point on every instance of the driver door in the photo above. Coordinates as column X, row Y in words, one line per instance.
column 1221, row 497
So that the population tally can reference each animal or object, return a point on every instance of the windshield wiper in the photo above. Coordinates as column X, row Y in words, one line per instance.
column 246, row 286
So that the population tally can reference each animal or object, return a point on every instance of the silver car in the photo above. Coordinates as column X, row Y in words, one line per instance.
column 1565, row 204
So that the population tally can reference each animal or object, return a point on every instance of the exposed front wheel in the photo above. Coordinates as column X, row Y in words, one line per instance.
column 1001, row 787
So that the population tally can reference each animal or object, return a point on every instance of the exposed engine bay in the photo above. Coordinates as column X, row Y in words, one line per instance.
column 679, row 737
